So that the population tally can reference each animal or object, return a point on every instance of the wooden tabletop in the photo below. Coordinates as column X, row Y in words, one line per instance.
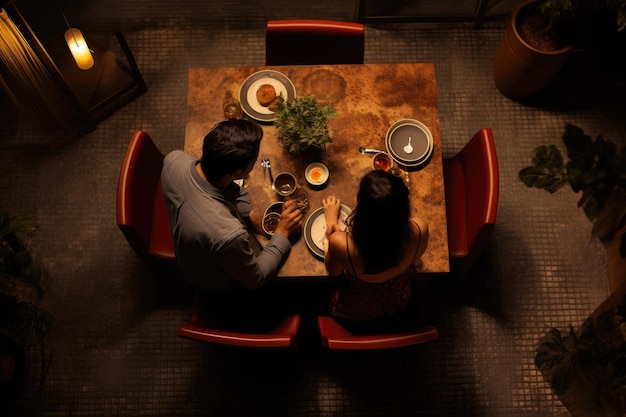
column 369, row 99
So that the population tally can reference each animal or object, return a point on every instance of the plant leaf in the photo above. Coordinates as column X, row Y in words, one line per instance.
column 302, row 124
column 547, row 171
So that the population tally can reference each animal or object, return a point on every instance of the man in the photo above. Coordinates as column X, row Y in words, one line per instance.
column 210, row 215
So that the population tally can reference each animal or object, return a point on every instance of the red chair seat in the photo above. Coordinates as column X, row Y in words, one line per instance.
column 336, row 337
column 455, row 197
column 161, row 241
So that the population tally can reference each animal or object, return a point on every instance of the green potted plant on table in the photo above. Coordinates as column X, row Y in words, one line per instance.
column 302, row 124
column 540, row 36
column 24, row 323
column 597, row 170
column 586, row 368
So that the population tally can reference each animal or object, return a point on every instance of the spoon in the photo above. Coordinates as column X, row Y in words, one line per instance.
column 408, row 148
column 368, row 150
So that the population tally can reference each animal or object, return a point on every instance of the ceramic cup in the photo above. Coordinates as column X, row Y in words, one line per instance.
column 285, row 184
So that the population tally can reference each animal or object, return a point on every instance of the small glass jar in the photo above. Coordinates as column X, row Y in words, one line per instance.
column 302, row 199
column 232, row 108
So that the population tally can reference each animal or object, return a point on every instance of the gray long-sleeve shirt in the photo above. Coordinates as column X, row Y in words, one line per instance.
column 214, row 248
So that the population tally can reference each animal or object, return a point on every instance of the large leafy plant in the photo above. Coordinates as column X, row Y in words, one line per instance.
column 570, row 15
column 597, row 351
column 22, row 283
column 302, row 124
column 595, row 168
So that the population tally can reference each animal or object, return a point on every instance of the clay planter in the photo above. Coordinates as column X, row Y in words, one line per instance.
column 7, row 367
column 12, row 371
column 616, row 265
column 521, row 70
column 588, row 394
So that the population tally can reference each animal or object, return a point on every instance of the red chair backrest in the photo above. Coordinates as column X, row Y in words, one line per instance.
column 310, row 42
column 472, row 189
column 140, row 202
column 336, row 337
column 284, row 335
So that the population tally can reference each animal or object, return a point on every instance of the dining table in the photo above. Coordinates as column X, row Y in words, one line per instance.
column 368, row 99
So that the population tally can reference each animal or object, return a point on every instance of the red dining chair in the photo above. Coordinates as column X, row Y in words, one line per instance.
column 471, row 187
column 310, row 42
column 337, row 337
column 283, row 335
column 141, row 213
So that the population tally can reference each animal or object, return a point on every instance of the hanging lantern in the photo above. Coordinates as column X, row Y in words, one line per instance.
column 79, row 49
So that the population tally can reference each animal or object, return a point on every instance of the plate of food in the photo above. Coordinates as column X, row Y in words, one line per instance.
column 260, row 91
column 315, row 230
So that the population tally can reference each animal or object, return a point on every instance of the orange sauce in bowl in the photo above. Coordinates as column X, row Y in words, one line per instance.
column 316, row 174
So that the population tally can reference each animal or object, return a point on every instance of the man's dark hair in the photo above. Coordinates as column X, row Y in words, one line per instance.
column 229, row 146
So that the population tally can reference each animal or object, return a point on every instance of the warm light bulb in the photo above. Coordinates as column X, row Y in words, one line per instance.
column 79, row 49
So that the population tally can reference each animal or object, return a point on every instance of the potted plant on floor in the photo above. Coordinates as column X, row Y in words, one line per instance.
column 597, row 170
column 24, row 323
column 302, row 124
column 586, row 368
column 539, row 38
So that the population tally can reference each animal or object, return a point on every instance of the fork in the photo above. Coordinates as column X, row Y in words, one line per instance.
column 265, row 163
column 269, row 169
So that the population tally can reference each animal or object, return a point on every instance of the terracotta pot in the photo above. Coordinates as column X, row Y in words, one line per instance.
column 7, row 367
column 616, row 265
column 12, row 371
column 588, row 395
column 521, row 70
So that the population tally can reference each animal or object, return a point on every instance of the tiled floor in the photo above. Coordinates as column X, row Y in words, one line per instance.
column 114, row 344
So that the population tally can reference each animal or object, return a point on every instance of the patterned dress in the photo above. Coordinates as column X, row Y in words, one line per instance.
column 361, row 301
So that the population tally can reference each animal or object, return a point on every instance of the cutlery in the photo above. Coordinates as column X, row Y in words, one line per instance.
column 265, row 163
column 408, row 148
column 368, row 150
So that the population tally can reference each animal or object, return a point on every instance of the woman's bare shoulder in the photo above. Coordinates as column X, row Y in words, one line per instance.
column 421, row 223
column 420, row 230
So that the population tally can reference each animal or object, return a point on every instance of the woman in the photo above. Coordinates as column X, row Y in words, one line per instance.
column 373, row 256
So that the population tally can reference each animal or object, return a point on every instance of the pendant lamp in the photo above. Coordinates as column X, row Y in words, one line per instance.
column 77, row 44
column 79, row 49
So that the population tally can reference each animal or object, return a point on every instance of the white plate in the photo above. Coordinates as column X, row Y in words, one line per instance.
column 249, row 88
column 421, row 140
column 417, row 165
column 315, row 230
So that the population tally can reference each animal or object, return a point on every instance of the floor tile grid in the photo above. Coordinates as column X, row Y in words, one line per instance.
column 471, row 115
column 331, row 394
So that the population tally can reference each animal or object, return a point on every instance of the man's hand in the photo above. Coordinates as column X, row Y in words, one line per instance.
column 290, row 219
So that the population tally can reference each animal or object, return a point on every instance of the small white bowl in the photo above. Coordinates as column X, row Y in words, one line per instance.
column 316, row 174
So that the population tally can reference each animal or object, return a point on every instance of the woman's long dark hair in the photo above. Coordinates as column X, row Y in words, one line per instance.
column 380, row 222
